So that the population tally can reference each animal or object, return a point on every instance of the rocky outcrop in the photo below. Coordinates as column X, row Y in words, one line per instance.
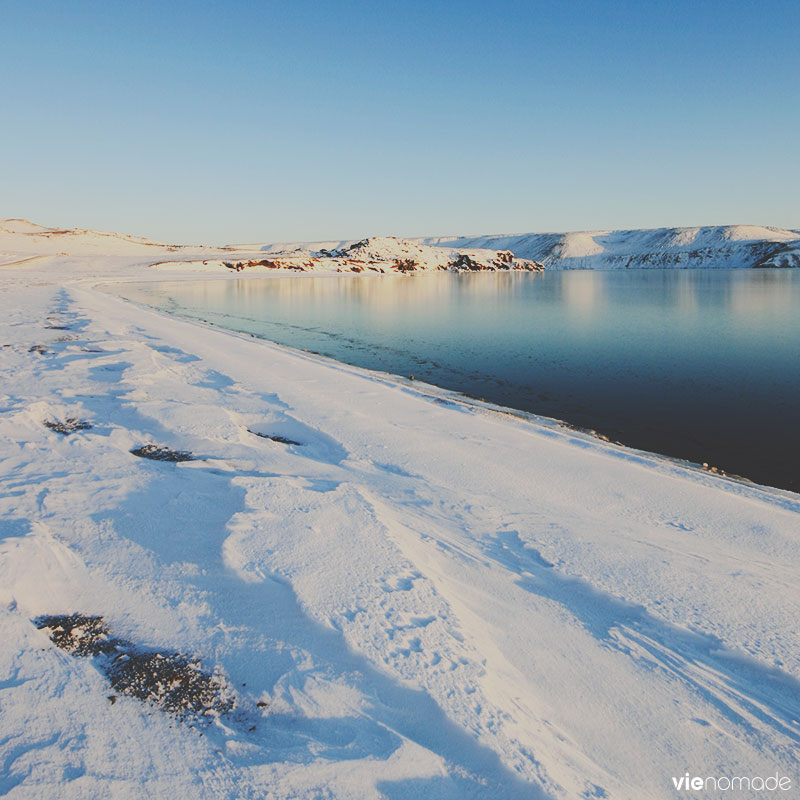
column 389, row 254
column 385, row 254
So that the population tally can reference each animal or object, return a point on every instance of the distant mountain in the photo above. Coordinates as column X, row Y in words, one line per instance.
column 717, row 247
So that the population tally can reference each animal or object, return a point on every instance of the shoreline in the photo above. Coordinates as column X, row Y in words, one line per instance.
column 418, row 591
column 583, row 427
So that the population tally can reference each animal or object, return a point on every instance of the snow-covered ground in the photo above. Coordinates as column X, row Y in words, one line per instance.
column 419, row 597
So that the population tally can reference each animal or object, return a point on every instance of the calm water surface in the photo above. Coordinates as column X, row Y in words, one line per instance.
column 698, row 364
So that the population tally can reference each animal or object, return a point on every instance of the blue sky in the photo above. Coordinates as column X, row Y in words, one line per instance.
column 260, row 121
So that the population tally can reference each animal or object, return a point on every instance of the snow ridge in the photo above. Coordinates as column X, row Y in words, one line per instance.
column 712, row 247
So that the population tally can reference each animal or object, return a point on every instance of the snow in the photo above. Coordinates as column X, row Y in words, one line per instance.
column 21, row 237
column 720, row 246
column 435, row 598
column 725, row 247
column 382, row 254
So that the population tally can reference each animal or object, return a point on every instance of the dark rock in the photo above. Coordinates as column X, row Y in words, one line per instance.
column 158, row 453
column 464, row 262
column 69, row 425
column 505, row 257
column 275, row 438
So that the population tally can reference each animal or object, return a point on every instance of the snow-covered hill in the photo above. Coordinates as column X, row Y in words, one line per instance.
column 383, row 254
column 723, row 247
column 710, row 247
column 23, row 236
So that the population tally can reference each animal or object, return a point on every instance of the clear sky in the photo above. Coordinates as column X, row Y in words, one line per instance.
column 215, row 122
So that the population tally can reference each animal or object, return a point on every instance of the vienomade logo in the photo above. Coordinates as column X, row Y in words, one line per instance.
column 724, row 783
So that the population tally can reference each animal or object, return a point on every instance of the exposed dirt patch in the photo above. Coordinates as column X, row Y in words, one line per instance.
column 172, row 681
column 69, row 425
column 78, row 634
column 158, row 453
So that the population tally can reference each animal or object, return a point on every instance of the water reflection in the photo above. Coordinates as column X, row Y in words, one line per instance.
column 701, row 364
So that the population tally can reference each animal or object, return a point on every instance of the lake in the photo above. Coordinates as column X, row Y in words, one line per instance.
column 697, row 364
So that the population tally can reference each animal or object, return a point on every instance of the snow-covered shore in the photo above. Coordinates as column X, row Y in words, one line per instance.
column 420, row 598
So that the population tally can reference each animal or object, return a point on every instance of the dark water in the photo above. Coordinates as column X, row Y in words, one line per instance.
column 697, row 364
